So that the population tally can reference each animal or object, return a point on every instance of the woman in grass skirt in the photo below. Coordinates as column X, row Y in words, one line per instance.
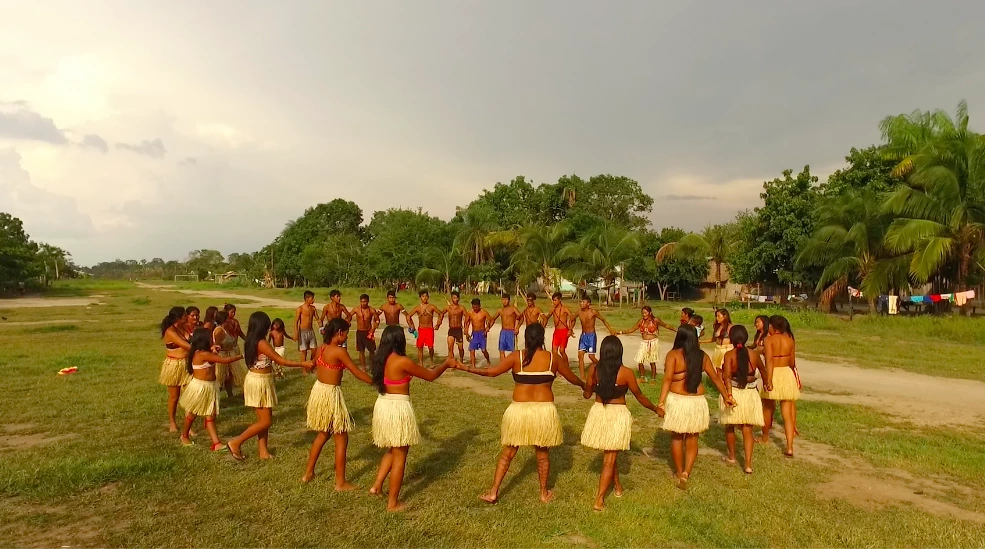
column 227, row 348
column 234, row 331
column 532, row 418
column 173, row 374
column 649, row 351
column 610, row 424
column 682, row 400
column 719, row 336
column 259, row 391
column 782, row 383
column 327, row 412
column 739, row 372
column 201, row 395
column 394, row 422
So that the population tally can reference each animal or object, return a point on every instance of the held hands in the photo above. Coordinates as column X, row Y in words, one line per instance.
column 730, row 401
column 769, row 387
column 661, row 411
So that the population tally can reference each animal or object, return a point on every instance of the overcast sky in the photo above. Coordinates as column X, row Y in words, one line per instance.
column 138, row 129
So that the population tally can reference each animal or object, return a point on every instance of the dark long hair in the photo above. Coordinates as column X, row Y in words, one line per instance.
column 761, row 335
column 220, row 318
column 781, row 325
column 192, row 309
column 717, row 325
column 210, row 315
column 174, row 315
column 694, row 357
column 739, row 336
column 533, row 339
column 256, row 332
column 201, row 340
column 610, row 360
column 392, row 341
column 335, row 326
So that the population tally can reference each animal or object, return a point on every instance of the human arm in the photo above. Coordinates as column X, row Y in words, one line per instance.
column 171, row 336
column 504, row 366
column 297, row 321
column 725, row 390
column 759, row 365
column 441, row 317
column 590, row 382
column 492, row 321
column 410, row 317
column 665, row 325
column 608, row 327
column 214, row 358
column 288, row 336
column 375, row 319
column 427, row 375
column 566, row 373
column 631, row 330
column 634, row 388
column 264, row 348
column 467, row 325
column 768, row 356
column 351, row 366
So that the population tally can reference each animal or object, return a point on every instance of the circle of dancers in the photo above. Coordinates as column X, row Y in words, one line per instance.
column 203, row 358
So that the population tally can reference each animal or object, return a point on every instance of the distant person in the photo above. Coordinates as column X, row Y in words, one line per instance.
column 367, row 320
column 532, row 314
column 334, row 309
column 259, row 391
column 687, row 314
column 649, row 351
column 762, row 325
column 173, row 374
column 392, row 310
column 304, row 325
column 327, row 412
column 739, row 372
column 425, row 330
column 191, row 319
column 562, row 327
column 227, row 347
column 609, row 426
column 782, row 382
column 234, row 328
column 588, row 342
column 456, row 334
column 477, row 326
column 209, row 321
column 394, row 422
column 234, row 331
column 719, row 336
column 510, row 327
column 682, row 401
column 201, row 396
column 532, row 418
column 278, row 333
column 698, row 322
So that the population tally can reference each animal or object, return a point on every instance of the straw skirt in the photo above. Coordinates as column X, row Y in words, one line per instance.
column 718, row 355
column 394, row 422
column 173, row 372
column 748, row 408
column 221, row 371
column 238, row 369
column 784, row 385
column 609, row 427
column 649, row 352
column 200, row 397
column 327, row 411
column 532, row 424
column 259, row 390
column 686, row 413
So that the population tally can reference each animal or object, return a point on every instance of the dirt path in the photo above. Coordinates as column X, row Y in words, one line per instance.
column 31, row 302
column 922, row 399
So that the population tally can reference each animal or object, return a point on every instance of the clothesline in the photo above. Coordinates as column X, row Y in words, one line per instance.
column 959, row 298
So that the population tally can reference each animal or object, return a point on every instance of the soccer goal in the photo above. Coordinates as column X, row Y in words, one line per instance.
column 186, row 278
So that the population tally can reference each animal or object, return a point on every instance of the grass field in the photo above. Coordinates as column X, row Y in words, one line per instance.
column 85, row 460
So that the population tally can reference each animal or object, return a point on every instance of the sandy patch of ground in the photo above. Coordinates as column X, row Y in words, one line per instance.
column 31, row 302
column 41, row 322
column 12, row 437
column 63, row 525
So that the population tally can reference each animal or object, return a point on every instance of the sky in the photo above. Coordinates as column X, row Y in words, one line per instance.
column 138, row 129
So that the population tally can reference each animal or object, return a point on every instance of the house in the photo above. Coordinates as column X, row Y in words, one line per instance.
column 222, row 278
column 727, row 289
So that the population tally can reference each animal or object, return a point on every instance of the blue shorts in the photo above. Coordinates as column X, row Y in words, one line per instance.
column 478, row 341
column 507, row 341
column 587, row 342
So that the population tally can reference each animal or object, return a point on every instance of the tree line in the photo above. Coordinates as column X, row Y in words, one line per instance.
column 26, row 264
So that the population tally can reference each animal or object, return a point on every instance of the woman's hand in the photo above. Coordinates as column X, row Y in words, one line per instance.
column 661, row 411
column 730, row 401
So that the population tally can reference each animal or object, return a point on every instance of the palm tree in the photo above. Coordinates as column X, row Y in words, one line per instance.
column 445, row 264
column 473, row 237
column 714, row 243
column 539, row 253
column 569, row 194
column 941, row 208
column 601, row 253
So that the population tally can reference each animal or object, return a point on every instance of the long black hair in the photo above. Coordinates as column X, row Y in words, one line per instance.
column 694, row 357
column 717, row 325
column 333, row 327
column 256, row 332
column 220, row 318
column 781, row 325
column 739, row 336
column 761, row 334
column 210, row 315
column 392, row 341
column 201, row 340
column 533, row 340
column 607, row 369
column 174, row 315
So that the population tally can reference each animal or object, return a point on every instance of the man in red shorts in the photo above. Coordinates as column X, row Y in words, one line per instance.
column 562, row 326
column 425, row 332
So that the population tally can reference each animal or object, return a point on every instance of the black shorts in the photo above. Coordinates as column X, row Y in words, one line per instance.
column 364, row 343
column 456, row 333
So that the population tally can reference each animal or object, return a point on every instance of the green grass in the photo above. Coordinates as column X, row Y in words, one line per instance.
column 116, row 463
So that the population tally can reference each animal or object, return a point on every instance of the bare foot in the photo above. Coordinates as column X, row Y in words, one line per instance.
column 489, row 498
column 748, row 470
column 191, row 433
column 266, row 456
column 682, row 481
column 765, row 439
column 598, row 507
column 546, row 497
column 173, row 428
column 345, row 487
column 185, row 441
column 397, row 508
column 307, row 478
column 730, row 461
column 789, row 453
column 618, row 491
column 374, row 491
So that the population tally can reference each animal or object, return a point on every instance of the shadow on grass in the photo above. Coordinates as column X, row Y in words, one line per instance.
column 445, row 459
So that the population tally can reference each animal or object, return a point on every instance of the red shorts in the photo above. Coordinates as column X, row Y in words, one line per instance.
column 425, row 338
column 560, row 338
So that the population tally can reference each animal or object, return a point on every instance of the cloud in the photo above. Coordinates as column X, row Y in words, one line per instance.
column 153, row 149
column 686, row 197
column 188, row 161
column 22, row 123
column 47, row 216
column 93, row 141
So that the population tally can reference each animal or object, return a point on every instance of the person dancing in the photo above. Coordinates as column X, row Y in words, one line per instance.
column 173, row 374
column 719, row 336
column 780, row 352
column 739, row 371
column 649, row 352
column 201, row 395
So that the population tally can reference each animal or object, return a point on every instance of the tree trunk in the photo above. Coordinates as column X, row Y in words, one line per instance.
column 662, row 290
column 718, row 280
column 963, row 273
column 827, row 302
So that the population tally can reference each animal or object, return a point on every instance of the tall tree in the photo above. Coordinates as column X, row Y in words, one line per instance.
column 868, row 168
column 674, row 272
column 475, row 232
column 602, row 253
column 315, row 225
column 618, row 200
column 444, row 265
column 17, row 253
column 392, row 254
column 539, row 254
column 715, row 243
column 203, row 262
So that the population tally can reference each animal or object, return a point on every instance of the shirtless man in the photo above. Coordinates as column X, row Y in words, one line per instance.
column 532, row 314
column 391, row 311
column 367, row 320
column 562, row 326
column 477, row 325
column 455, row 314
column 425, row 332
column 332, row 310
column 304, row 332
column 588, row 342
column 511, row 327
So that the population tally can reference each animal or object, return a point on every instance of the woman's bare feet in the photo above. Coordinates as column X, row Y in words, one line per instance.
column 374, row 491
column 266, row 455
column 765, row 439
column 729, row 460
column 618, row 491
column 546, row 497
column 172, row 428
column 491, row 497
column 185, row 441
column 682, row 481
column 397, row 507
column 307, row 478
column 598, row 507
column 345, row 487
column 748, row 470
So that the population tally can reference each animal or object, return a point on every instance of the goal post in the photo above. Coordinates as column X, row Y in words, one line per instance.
column 186, row 278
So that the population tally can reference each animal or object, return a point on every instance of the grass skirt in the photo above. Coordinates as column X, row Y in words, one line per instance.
column 238, row 368
column 718, row 356
column 686, row 413
column 221, row 371
column 649, row 352
column 609, row 427
column 784, row 385
column 394, row 422
column 327, row 411
column 200, row 397
column 748, row 409
column 532, row 424
column 173, row 372
column 259, row 391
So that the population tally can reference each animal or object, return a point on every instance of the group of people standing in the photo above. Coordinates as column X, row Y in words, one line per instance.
column 204, row 357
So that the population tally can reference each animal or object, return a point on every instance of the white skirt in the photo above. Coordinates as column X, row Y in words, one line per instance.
column 200, row 397
column 327, row 411
column 748, row 408
column 649, row 352
column 394, row 422
column 687, row 414
column 608, row 427
column 259, row 390
column 532, row 424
